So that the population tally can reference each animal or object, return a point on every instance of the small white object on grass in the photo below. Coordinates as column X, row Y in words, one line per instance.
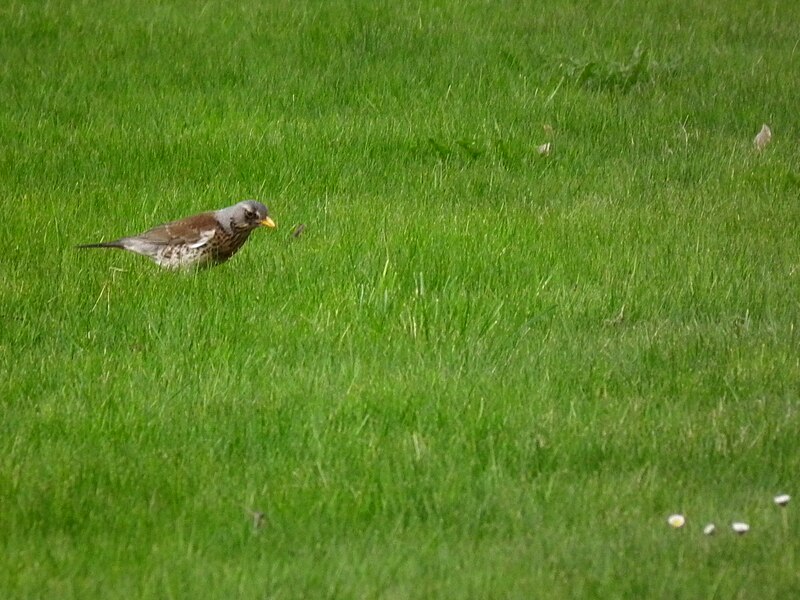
column 544, row 149
column 710, row 529
column 740, row 528
column 763, row 138
column 676, row 521
column 259, row 518
column 782, row 500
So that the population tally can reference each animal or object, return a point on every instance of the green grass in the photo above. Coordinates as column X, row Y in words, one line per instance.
column 481, row 373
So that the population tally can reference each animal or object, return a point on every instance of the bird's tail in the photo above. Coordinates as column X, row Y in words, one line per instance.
column 114, row 244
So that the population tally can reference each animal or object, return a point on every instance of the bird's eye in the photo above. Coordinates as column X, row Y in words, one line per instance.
column 250, row 215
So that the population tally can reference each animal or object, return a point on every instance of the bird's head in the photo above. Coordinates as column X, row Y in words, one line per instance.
column 249, row 214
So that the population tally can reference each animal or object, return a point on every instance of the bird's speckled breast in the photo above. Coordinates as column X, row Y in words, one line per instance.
column 181, row 257
column 219, row 248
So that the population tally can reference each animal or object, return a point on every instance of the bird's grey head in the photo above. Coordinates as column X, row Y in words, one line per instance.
column 247, row 215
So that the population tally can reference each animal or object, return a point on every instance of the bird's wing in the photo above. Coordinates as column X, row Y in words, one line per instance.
column 194, row 232
column 205, row 237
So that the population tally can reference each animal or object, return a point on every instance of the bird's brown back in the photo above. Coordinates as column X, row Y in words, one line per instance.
column 183, row 231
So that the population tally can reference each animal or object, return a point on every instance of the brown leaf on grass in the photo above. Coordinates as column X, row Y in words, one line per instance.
column 763, row 138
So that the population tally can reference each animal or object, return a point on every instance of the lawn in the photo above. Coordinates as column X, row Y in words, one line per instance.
column 485, row 370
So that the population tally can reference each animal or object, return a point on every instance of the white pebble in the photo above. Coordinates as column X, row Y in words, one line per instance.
column 676, row 521
column 740, row 528
column 782, row 500
column 710, row 529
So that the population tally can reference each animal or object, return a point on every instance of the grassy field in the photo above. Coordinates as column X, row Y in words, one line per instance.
column 481, row 373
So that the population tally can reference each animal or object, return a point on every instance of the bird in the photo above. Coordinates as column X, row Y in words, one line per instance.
column 203, row 240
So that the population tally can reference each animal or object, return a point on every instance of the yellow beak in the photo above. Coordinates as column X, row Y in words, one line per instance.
column 267, row 222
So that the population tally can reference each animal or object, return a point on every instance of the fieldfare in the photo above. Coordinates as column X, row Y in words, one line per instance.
column 203, row 240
